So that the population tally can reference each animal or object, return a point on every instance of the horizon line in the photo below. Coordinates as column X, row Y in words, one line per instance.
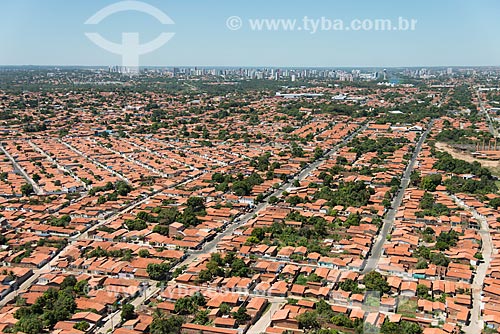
column 256, row 66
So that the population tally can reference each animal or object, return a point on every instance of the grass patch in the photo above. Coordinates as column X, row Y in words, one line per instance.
column 407, row 308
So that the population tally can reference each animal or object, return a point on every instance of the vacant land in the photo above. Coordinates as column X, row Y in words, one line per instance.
column 493, row 166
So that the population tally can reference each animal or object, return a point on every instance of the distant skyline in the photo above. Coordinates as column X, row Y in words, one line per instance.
column 447, row 33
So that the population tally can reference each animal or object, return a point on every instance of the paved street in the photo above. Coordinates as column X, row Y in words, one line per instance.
column 376, row 251
column 265, row 320
column 476, row 323
column 21, row 170
column 492, row 128
column 211, row 246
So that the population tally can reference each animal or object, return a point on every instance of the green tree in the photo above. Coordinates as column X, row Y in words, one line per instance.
column 225, row 308
column 184, row 306
column 422, row 291
column 136, row 224
column 158, row 271
column 410, row 328
column 122, row 188
column 404, row 326
column 349, row 285
column 30, row 325
column 201, row 317
column 374, row 281
column 163, row 324
column 273, row 200
column 241, row 316
column 27, row 189
column 197, row 204
column 81, row 287
column 68, row 282
column 128, row 312
column 144, row 253
column 430, row 182
column 82, row 326
column 495, row 202
column 439, row 259
column 36, row 178
column 308, row 320
column 198, row 299
column 204, row 276
column 422, row 264
column 318, row 153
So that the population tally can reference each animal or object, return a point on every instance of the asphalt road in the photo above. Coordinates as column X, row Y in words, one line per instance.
column 211, row 246
column 371, row 263
column 36, row 188
column 207, row 248
column 476, row 322
column 492, row 127
column 47, row 267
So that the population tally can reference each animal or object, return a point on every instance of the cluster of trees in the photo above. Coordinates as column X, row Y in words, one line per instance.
column 412, row 112
column 430, row 182
column 244, row 186
column 449, row 164
column 431, row 208
column 228, row 266
column 457, row 184
column 381, row 145
column 108, row 197
column 240, row 185
column 262, row 163
column 280, row 234
column 296, row 151
column 351, row 286
column 27, row 189
column 136, row 224
column 189, row 304
column 485, row 184
column 165, row 324
column 293, row 111
column 125, row 254
column 495, row 203
column 303, row 280
column 342, row 109
column 35, row 127
column 327, row 177
column 425, row 256
column 128, row 312
column 62, row 221
column 374, row 281
column 158, row 271
column 462, row 136
column 403, row 326
column 121, row 188
column 195, row 206
column 445, row 240
column 323, row 315
column 355, row 194
column 51, row 307
column 462, row 97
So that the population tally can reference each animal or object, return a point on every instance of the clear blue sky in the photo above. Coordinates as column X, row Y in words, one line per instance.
column 448, row 33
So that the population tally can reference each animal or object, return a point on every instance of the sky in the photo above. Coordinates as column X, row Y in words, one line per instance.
column 447, row 33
